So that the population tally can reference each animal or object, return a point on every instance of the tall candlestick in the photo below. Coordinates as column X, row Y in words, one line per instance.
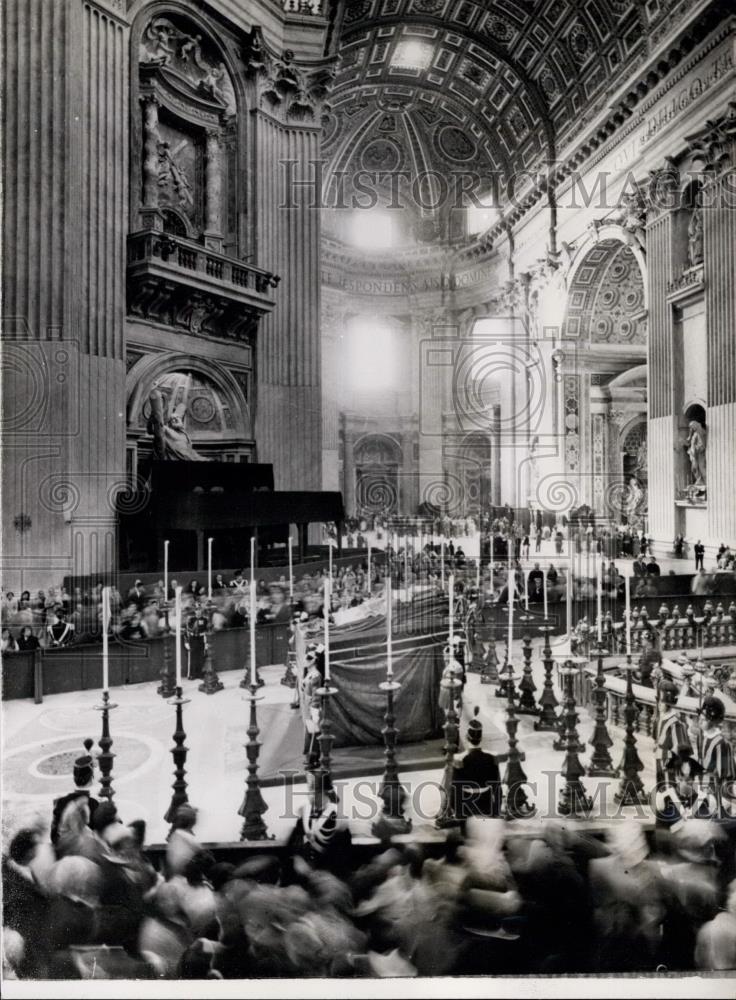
column 490, row 566
column 209, row 568
column 406, row 569
column 252, row 624
column 627, row 612
column 291, row 571
column 544, row 593
column 177, row 611
column 510, row 589
column 477, row 573
column 327, row 605
column 166, row 570
column 568, row 601
column 369, row 588
column 526, row 589
column 329, row 557
column 105, row 628
column 599, row 608
column 389, row 630
column 442, row 563
column 451, row 592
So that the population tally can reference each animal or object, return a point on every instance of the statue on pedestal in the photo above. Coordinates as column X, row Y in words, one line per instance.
column 696, row 444
column 170, row 441
column 695, row 238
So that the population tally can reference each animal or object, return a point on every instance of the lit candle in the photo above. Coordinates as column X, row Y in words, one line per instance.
column 329, row 557
column 253, row 676
column 177, row 612
column 209, row 568
column 526, row 589
column 627, row 612
column 369, row 581
column 568, row 601
column 406, row 569
column 442, row 563
column 166, row 571
column 327, row 604
column 511, row 587
column 105, row 627
column 389, row 630
column 452, row 608
column 490, row 565
column 600, row 601
column 291, row 572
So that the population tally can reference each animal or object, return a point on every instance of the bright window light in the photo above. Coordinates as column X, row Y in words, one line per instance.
column 371, row 354
column 481, row 217
column 412, row 54
column 372, row 230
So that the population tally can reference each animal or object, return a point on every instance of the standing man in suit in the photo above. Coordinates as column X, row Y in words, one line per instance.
column 699, row 550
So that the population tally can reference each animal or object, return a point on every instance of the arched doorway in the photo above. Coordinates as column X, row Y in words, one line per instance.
column 378, row 459
column 603, row 384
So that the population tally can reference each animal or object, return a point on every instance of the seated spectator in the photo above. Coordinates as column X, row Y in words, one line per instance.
column 8, row 643
column 27, row 641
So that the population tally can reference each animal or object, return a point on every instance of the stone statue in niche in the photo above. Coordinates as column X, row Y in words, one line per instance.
column 170, row 441
column 696, row 444
column 695, row 238
column 172, row 176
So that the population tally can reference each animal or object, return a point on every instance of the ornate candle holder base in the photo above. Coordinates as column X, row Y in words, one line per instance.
column 601, row 765
column 517, row 804
column 106, row 756
column 574, row 800
column 253, row 806
column 245, row 682
column 631, row 788
column 325, row 740
column 392, row 792
column 547, row 721
column 211, row 683
column 289, row 678
column 179, row 752
column 527, row 687
column 167, row 687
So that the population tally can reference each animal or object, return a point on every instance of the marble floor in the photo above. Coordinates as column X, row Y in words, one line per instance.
column 41, row 741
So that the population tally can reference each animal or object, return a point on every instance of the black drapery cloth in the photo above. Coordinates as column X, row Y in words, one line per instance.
column 357, row 710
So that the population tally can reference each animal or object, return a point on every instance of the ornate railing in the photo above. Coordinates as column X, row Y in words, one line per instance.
column 190, row 257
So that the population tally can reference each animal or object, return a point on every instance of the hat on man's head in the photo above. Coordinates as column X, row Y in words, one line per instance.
column 668, row 692
column 84, row 766
column 475, row 728
column 713, row 709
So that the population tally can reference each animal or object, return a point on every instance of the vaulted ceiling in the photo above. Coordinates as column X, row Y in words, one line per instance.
column 508, row 82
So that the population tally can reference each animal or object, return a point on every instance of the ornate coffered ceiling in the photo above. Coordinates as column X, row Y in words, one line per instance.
column 503, row 85
column 506, row 82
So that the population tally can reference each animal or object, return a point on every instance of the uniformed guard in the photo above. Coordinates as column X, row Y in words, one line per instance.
column 195, row 637
column 61, row 633
column 717, row 757
column 476, row 781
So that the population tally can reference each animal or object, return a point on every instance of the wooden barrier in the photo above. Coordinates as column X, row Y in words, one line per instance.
column 79, row 667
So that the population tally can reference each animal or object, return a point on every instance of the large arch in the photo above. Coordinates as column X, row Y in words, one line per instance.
column 217, row 413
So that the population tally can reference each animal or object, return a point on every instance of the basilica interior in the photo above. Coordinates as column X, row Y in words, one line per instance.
column 353, row 313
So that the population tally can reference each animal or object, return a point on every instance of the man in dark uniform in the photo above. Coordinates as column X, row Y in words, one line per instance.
column 61, row 633
column 195, row 639
column 83, row 774
column 476, row 780
column 699, row 550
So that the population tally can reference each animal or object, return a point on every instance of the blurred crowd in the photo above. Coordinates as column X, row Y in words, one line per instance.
column 85, row 900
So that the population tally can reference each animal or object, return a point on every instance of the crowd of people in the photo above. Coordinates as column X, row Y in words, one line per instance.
column 83, row 898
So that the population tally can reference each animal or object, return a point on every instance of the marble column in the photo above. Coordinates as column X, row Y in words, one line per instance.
column 287, row 242
column 213, row 191
column 718, row 145
column 151, row 217
column 66, row 81
column 662, row 418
